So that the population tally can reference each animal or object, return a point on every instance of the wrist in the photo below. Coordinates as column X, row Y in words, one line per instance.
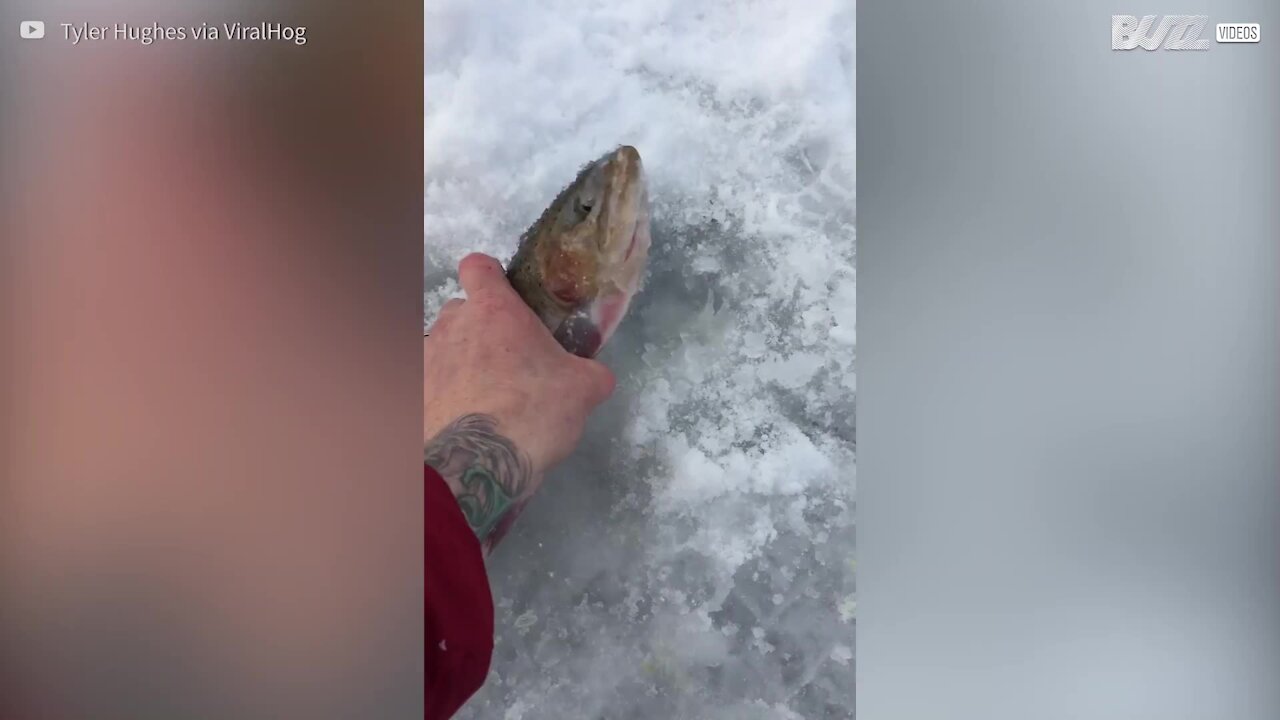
column 490, row 476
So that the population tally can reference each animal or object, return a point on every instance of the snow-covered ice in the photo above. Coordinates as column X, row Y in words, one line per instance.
column 694, row 559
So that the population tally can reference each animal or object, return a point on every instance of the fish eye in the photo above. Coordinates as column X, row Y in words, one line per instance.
column 583, row 207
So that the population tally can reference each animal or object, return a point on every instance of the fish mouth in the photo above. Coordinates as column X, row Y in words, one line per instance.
column 631, row 246
column 635, row 203
column 627, row 204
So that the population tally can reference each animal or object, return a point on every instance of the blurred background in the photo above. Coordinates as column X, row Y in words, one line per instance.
column 1069, row 484
column 210, row 448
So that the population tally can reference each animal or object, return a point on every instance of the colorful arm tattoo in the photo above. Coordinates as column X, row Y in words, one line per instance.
column 490, row 477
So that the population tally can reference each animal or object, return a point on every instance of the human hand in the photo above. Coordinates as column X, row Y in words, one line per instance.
column 503, row 402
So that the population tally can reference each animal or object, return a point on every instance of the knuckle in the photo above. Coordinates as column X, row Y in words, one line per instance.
column 486, row 304
column 600, row 377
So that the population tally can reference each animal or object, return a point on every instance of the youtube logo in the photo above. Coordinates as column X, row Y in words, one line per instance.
column 31, row 29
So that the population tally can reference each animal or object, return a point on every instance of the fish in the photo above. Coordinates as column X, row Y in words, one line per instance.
column 581, row 263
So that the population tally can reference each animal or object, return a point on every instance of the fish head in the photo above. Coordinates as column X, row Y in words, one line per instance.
column 592, row 250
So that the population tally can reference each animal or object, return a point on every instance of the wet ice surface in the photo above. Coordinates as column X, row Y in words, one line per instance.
column 694, row 559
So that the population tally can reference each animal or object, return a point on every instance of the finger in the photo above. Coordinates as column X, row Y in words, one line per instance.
column 598, row 380
column 480, row 275
column 450, row 309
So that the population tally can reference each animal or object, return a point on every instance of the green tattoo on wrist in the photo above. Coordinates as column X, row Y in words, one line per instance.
column 483, row 500
column 491, row 478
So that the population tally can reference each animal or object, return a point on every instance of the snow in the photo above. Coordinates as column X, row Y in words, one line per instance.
column 842, row 654
column 694, row 559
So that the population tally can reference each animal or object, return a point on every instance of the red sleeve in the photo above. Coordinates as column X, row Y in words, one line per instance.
column 459, row 606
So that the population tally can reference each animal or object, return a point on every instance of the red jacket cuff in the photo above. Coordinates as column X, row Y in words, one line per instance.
column 459, row 606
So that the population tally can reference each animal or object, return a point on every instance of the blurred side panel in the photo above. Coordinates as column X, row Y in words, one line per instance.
column 1069, row 368
column 211, row 439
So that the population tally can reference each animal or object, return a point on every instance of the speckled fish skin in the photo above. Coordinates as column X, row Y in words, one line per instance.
column 580, row 264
